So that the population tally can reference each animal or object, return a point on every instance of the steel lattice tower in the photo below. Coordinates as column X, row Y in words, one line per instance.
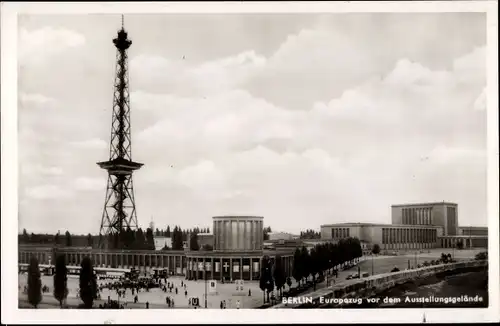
column 119, row 211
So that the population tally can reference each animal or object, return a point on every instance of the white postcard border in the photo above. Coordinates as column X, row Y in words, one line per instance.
column 9, row 164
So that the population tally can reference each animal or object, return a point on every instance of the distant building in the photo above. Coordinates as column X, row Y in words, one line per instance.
column 238, row 248
column 473, row 230
column 205, row 239
column 281, row 236
column 414, row 226
column 161, row 242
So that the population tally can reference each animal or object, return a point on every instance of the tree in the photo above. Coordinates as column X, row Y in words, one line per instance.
column 150, row 240
column 34, row 283
column 60, row 280
column 297, row 270
column 460, row 244
column 128, row 238
column 266, row 278
column 157, row 232
column 89, row 240
column 167, row 233
column 207, row 247
column 193, row 241
column 279, row 274
column 68, row 239
column 266, row 232
column 25, row 238
column 306, row 262
column 177, row 241
column 313, row 264
column 289, row 282
column 88, row 283
column 57, row 238
column 376, row 249
column 139, row 240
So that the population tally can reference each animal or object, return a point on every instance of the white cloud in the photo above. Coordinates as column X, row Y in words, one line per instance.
column 90, row 184
column 183, row 78
column 37, row 99
column 47, row 192
column 39, row 169
column 94, row 143
column 36, row 45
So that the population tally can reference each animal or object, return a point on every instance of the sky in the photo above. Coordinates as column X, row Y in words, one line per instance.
column 305, row 119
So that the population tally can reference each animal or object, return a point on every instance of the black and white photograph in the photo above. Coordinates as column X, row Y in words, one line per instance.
column 254, row 158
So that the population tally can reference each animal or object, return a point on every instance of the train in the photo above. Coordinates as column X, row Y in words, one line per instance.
column 72, row 271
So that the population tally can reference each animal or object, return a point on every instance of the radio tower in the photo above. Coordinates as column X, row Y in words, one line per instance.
column 119, row 205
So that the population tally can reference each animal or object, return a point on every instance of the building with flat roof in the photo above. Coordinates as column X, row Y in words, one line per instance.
column 414, row 226
column 387, row 236
column 443, row 214
column 282, row 236
column 238, row 248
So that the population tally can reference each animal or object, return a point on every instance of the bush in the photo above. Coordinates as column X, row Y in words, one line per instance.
column 482, row 256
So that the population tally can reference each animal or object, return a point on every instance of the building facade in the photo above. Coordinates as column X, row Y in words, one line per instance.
column 282, row 236
column 234, row 233
column 387, row 236
column 414, row 226
column 143, row 260
column 237, row 251
column 441, row 214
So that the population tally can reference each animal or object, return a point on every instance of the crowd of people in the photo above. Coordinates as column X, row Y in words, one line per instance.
column 126, row 286
column 112, row 304
column 122, row 286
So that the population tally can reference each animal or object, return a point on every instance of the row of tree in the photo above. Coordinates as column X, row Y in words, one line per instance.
column 308, row 263
column 128, row 239
column 88, row 282
column 310, row 234
column 167, row 233
column 58, row 239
